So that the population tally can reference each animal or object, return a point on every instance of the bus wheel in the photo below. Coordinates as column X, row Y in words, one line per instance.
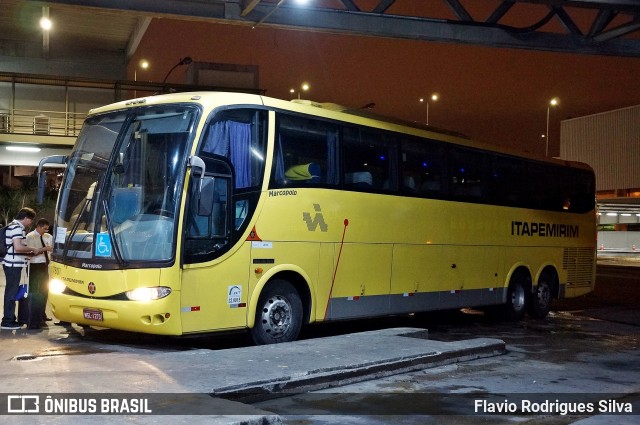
column 540, row 302
column 516, row 305
column 278, row 315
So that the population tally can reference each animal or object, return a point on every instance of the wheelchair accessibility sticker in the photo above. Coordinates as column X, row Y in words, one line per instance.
column 103, row 245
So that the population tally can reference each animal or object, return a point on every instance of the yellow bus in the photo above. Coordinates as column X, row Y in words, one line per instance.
column 192, row 213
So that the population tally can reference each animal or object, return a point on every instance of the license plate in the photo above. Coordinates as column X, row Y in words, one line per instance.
column 92, row 314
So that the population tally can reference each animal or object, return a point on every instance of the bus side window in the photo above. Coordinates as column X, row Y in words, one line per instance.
column 467, row 174
column 242, row 208
column 557, row 188
column 581, row 192
column 305, row 153
column 212, row 206
column 207, row 220
column 541, row 184
column 239, row 135
column 369, row 160
column 507, row 181
column 423, row 168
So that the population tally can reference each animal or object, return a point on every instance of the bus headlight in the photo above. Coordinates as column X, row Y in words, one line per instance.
column 148, row 294
column 56, row 286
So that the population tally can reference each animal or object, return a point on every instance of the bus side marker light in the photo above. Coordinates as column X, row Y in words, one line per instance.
column 189, row 309
column 259, row 270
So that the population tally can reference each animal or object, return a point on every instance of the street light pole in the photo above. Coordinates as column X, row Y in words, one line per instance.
column 546, row 135
column 434, row 97
column 552, row 102
column 144, row 64
column 303, row 87
column 427, row 113
column 184, row 61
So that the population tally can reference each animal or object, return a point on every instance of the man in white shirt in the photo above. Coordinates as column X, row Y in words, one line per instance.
column 38, row 239
column 14, row 262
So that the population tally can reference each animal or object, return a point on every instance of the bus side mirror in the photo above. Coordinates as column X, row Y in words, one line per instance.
column 197, row 165
column 42, row 175
column 207, row 194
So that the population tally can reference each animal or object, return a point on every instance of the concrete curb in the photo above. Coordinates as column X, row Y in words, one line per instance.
column 216, row 384
column 427, row 354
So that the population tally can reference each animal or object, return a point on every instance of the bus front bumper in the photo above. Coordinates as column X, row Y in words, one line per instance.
column 161, row 316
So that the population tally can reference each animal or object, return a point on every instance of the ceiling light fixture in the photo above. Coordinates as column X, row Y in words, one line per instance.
column 23, row 149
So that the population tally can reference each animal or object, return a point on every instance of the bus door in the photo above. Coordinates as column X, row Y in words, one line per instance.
column 214, row 282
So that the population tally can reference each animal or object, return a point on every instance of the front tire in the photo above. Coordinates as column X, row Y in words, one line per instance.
column 278, row 314
column 517, row 300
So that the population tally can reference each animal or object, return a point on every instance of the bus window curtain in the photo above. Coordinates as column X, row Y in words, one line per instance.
column 232, row 139
column 280, row 162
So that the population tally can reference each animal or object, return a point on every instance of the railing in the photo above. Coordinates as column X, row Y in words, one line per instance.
column 56, row 123
column 43, row 123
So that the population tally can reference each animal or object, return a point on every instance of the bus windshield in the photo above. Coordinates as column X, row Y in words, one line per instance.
column 121, row 192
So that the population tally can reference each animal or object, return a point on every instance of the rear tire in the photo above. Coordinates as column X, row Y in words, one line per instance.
column 540, row 302
column 278, row 314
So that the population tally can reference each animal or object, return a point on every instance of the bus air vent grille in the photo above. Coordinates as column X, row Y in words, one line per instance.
column 578, row 262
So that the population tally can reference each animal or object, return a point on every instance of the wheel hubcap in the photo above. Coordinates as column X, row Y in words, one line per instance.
column 276, row 317
column 518, row 298
column 544, row 295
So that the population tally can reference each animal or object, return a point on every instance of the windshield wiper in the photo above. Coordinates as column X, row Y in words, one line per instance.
column 74, row 227
column 116, row 248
